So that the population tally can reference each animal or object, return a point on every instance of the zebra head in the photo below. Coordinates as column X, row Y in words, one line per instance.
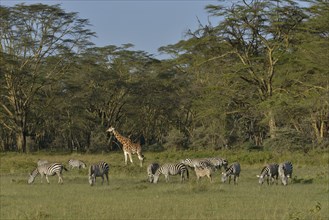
column 31, row 178
column 224, row 177
column 284, row 180
column 92, row 179
column 156, row 177
column 261, row 179
column 224, row 163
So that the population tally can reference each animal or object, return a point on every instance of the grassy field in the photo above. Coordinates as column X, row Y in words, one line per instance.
column 130, row 196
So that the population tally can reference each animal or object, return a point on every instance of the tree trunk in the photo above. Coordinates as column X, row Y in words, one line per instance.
column 21, row 142
column 271, row 124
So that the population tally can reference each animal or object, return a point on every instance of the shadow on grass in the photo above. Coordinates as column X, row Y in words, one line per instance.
column 302, row 180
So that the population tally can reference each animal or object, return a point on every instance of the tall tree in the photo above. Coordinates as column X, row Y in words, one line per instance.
column 37, row 43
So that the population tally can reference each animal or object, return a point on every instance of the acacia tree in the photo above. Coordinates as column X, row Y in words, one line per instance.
column 37, row 43
column 259, row 34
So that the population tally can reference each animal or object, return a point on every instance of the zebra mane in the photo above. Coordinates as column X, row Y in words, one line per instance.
column 261, row 172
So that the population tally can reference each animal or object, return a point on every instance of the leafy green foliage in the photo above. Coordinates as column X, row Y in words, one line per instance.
column 255, row 80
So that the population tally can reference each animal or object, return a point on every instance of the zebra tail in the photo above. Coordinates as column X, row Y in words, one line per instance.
column 187, row 175
column 65, row 168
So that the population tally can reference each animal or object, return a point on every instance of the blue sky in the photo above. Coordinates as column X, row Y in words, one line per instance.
column 147, row 24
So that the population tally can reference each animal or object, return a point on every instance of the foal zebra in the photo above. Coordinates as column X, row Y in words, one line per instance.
column 233, row 170
column 42, row 162
column 171, row 169
column 98, row 170
column 285, row 172
column 204, row 171
column 48, row 169
column 76, row 163
column 270, row 171
column 151, row 169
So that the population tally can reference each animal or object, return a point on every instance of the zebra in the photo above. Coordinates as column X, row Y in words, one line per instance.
column 151, row 169
column 285, row 172
column 48, row 169
column 200, row 162
column 233, row 170
column 76, row 163
column 99, row 169
column 42, row 162
column 217, row 162
column 171, row 169
column 270, row 171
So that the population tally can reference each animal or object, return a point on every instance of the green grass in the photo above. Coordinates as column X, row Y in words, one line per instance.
column 130, row 196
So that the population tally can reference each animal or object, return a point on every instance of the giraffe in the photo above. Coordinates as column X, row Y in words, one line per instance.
column 128, row 146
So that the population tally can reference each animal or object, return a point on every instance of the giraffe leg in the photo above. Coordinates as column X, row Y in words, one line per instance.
column 141, row 159
column 125, row 153
column 131, row 160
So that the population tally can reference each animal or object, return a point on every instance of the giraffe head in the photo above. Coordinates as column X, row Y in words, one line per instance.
column 111, row 129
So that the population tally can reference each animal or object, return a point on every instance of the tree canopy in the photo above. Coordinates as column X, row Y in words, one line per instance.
column 256, row 79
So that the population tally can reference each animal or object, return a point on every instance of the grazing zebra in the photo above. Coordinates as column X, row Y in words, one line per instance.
column 204, row 171
column 233, row 170
column 218, row 163
column 48, row 169
column 192, row 163
column 270, row 171
column 171, row 169
column 151, row 169
column 76, row 163
column 285, row 172
column 99, row 169
column 42, row 162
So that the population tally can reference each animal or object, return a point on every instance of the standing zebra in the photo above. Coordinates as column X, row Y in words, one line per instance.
column 270, row 171
column 285, row 172
column 198, row 162
column 233, row 170
column 171, row 169
column 151, row 169
column 217, row 162
column 76, row 163
column 96, row 170
column 48, row 169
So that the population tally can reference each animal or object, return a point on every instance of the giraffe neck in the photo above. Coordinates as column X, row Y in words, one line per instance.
column 120, row 138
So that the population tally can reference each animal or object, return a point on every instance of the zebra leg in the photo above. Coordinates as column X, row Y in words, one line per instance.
column 47, row 179
column 167, row 178
column 102, row 179
column 60, row 178
column 41, row 174
column 107, row 178
column 235, row 179
column 229, row 179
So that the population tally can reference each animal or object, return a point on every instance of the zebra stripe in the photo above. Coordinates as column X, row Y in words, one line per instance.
column 171, row 169
column 285, row 172
column 233, row 170
column 192, row 163
column 76, row 164
column 48, row 169
column 98, row 170
column 217, row 162
column 151, row 169
column 270, row 172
